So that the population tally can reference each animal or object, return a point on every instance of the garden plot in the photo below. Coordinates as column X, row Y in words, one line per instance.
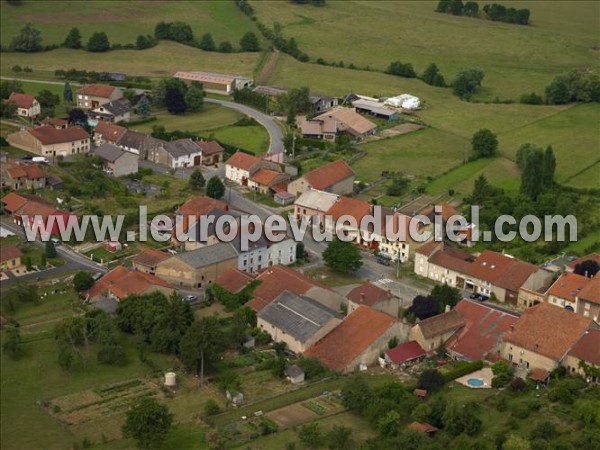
column 298, row 413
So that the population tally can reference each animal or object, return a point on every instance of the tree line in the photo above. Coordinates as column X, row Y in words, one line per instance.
column 178, row 97
column 495, row 12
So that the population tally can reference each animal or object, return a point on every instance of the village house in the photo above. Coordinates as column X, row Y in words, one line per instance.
column 122, row 282
column 322, row 103
column 116, row 161
column 55, row 122
column 489, row 273
column 268, row 181
column 27, row 105
column 374, row 297
column 349, row 122
column 240, row 167
column 141, row 144
column 51, row 142
column 114, row 111
column 588, row 300
column 346, row 207
column 585, row 352
column 198, row 268
column 94, row 95
column 336, row 177
column 19, row 175
column 312, row 205
column 217, row 83
column 233, row 280
column 358, row 340
column 10, row 257
column 482, row 333
column 565, row 290
column 203, row 232
column 178, row 154
column 40, row 212
column 325, row 129
column 276, row 279
column 298, row 321
column 147, row 260
column 432, row 332
column 106, row 132
column 212, row 152
column 404, row 355
column 542, row 338
column 194, row 208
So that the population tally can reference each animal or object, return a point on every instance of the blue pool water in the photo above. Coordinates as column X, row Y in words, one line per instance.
column 475, row 382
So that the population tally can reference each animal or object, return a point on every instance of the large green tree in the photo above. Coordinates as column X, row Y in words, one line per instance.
column 28, row 40
column 148, row 422
column 82, row 281
column 249, row 42
column 194, row 99
column 207, row 43
column 98, row 42
column 73, row 39
column 484, row 143
column 197, row 181
column 342, row 256
column 467, row 83
column 215, row 187
column 67, row 93
column 11, row 344
column 202, row 344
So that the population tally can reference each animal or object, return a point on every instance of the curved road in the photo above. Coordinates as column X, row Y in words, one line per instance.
column 270, row 124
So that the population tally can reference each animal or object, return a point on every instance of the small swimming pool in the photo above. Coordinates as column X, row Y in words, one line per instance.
column 475, row 382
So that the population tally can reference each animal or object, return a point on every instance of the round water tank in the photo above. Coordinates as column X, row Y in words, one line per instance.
column 170, row 379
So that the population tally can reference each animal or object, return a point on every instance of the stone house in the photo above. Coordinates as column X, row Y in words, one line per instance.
column 51, row 142
column 27, row 105
column 94, row 95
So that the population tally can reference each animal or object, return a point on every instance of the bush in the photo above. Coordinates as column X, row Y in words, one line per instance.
column 501, row 380
column 113, row 355
column 211, row 407
column 431, row 380
column 461, row 369
column 518, row 384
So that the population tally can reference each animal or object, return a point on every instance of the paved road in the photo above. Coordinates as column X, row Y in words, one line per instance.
column 270, row 124
column 73, row 260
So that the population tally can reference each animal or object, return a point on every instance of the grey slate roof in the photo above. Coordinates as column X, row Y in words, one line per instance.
column 137, row 140
column 181, row 147
column 300, row 317
column 108, row 152
column 293, row 371
column 118, row 107
column 206, row 256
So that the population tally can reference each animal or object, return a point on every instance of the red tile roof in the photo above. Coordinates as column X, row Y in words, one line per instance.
column 588, row 348
column 591, row 292
column 265, row 176
column 23, row 101
column 209, row 147
column 568, row 286
column 97, row 90
column 31, row 171
column 441, row 324
column 123, row 282
column 484, row 327
column 446, row 211
column 548, row 330
column 150, row 257
column 50, row 135
column 233, row 280
column 14, row 201
column 591, row 256
column 423, row 427
column 201, row 205
column 405, row 352
column 8, row 252
column 242, row 160
column 275, row 280
column 110, row 131
column 368, row 294
column 538, row 374
column 347, row 206
column 357, row 332
column 328, row 175
column 428, row 248
column 55, row 122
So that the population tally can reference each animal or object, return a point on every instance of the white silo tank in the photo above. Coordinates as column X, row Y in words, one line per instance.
column 170, row 379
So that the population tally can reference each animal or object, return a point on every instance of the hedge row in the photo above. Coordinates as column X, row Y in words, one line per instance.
column 462, row 368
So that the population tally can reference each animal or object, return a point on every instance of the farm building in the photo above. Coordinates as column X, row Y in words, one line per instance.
column 116, row 161
column 216, row 82
column 375, row 109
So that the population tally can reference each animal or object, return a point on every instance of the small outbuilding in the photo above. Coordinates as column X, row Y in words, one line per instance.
column 235, row 397
column 294, row 374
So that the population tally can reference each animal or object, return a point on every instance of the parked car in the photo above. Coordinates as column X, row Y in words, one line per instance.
column 55, row 241
column 473, row 296
column 27, row 158
column 383, row 261
column 190, row 298
column 482, row 298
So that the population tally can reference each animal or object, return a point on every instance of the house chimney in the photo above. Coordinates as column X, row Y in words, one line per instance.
column 362, row 297
column 447, row 309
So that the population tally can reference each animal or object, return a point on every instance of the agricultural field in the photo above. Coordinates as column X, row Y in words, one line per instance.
column 515, row 59
column 123, row 21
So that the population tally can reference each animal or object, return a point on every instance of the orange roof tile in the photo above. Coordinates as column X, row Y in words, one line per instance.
column 8, row 252
column 14, row 201
column 123, row 282
column 548, row 330
column 359, row 330
column 368, row 294
column 150, row 257
column 110, row 131
column 265, row 176
column 588, row 348
column 242, row 160
column 233, row 280
column 50, row 135
column 423, row 427
column 405, row 352
column 328, row 175
column 591, row 293
column 97, row 90
column 568, row 286
column 347, row 206
column 591, row 256
column 23, row 101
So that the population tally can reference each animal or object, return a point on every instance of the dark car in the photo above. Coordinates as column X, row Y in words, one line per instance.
column 384, row 261
column 482, row 298
column 474, row 296
column 27, row 158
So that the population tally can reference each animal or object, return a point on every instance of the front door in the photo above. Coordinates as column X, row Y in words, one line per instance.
column 197, row 160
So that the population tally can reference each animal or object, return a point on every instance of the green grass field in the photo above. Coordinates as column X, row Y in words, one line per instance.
column 163, row 60
column 123, row 21
column 253, row 137
column 515, row 59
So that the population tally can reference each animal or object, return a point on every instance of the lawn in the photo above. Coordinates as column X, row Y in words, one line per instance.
column 163, row 60
column 123, row 21
column 331, row 278
column 254, row 137
column 211, row 116
column 515, row 59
